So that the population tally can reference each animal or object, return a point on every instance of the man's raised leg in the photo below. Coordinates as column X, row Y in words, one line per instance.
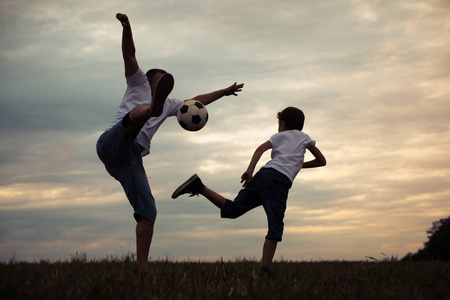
column 140, row 114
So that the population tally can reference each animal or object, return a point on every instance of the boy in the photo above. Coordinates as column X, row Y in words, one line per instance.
column 270, row 186
column 143, row 109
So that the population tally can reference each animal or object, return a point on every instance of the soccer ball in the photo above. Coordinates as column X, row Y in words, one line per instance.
column 192, row 115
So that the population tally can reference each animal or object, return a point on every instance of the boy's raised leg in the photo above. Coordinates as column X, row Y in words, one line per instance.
column 216, row 199
column 194, row 186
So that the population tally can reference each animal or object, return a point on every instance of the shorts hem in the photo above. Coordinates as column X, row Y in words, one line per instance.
column 273, row 239
column 138, row 216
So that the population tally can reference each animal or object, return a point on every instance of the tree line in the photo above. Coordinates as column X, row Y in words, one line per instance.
column 438, row 245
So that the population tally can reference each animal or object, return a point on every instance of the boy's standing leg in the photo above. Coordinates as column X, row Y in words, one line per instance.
column 269, row 248
column 194, row 186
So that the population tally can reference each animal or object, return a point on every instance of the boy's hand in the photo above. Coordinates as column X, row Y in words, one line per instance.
column 123, row 18
column 233, row 89
column 247, row 177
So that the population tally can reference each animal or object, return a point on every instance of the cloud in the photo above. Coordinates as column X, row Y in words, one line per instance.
column 371, row 77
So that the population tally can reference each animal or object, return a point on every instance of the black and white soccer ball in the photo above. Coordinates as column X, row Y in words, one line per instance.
column 192, row 115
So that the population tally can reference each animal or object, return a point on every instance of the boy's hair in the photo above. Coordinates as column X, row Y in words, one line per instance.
column 293, row 117
column 152, row 72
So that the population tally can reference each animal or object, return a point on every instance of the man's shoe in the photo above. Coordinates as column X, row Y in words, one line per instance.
column 144, row 274
column 162, row 90
column 193, row 186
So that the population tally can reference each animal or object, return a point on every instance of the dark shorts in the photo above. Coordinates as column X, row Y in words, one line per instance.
column 122, row 158
column 268, row 188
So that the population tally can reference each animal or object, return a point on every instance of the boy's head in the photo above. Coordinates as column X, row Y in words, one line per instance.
column 292, row 117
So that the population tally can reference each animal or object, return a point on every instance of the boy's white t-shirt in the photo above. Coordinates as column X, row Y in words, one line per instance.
column 288, row 152
column 138, row 92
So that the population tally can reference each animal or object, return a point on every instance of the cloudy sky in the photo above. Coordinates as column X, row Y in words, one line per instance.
column 373, row 78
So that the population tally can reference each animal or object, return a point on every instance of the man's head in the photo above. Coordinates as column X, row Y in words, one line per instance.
column 153, row 76
column 292, row 117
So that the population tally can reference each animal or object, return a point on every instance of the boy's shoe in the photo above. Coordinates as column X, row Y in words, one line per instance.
column 162, row 90
column 270, row 274
column 193, row 186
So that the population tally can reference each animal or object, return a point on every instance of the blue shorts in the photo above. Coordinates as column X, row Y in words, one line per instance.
column 122, row 158
column 268, row 188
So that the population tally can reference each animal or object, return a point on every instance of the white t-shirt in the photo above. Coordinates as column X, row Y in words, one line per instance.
column 139, row 93
column 288, row 152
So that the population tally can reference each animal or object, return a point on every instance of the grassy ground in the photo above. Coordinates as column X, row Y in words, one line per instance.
column 240, row 279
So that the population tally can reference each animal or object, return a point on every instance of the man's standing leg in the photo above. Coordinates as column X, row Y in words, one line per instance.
column 122, row 158
column 133, row 178
column 136, row 120
column 144, row 234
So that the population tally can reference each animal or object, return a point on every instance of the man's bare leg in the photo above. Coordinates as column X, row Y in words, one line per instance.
column 138, row 117
column 140, row 114
column 144, row 234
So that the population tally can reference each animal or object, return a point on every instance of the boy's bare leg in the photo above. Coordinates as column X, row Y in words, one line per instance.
column 268, row 252
column 215, row 198
column 144, row 234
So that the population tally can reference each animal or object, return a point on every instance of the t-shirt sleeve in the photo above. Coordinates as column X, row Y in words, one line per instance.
column 273, row 139
column 174, row 104
column 310, row 142
column 137, row 78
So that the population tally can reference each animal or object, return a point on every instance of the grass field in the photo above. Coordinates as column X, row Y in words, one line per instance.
column 239, row 279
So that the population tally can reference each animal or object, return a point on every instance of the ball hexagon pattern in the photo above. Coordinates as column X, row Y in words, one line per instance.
column 192, row 115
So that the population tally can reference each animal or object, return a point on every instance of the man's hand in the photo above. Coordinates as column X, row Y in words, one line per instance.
column 123, row 19
column 128, row 49
column 213, row 96
column 233, row 89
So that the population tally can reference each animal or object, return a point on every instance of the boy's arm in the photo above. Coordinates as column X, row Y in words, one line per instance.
column 248, row 175
column 213, row 96
column 318, row 161
column 128, row 49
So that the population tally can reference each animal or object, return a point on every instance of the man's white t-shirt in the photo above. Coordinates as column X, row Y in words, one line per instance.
column 288, row 152
column 139, row 93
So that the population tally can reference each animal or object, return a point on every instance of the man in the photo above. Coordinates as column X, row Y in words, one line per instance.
column 121, row 147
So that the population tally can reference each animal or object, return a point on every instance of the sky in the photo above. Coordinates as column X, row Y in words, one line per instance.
column 372, row 77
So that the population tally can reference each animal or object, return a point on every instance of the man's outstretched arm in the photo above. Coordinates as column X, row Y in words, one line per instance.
column 213, row 96
column 128, row 49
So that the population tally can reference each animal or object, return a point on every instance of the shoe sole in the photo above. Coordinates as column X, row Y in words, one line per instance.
column 162, row 90
column 183, row 186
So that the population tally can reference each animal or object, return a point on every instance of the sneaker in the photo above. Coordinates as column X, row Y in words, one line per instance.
column 270, row 274
column 193, row 186
column 162, row 90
